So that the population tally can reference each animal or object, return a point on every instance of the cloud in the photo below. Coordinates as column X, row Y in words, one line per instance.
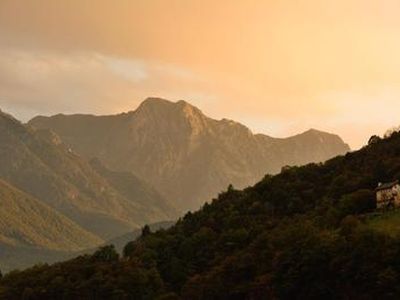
column 48, row 82
column 355, row 114
column 279, row 66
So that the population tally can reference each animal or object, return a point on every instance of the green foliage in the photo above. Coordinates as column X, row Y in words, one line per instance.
column 307, row 233
column 358, row 202
column 146, row 231
column 83, row 278
column 387, row 223
column 106, row 254
column 373, row 140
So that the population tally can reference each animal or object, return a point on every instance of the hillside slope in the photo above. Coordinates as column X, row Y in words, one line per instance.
column 32, row 232
column 188, row 156
column 38, row 163
column 302, row 234
column 152, row 205
column 25, row 221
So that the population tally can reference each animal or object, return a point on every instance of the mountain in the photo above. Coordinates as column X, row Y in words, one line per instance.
column 186, row 155
column 310, row 232
column 40, row 164
column 150, row 202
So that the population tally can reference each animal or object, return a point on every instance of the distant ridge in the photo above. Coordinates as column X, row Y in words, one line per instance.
column 186, row 155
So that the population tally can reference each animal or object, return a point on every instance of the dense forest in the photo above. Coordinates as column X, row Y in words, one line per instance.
column 302, row 234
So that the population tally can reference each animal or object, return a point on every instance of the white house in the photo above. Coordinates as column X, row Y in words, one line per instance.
column 388, row 195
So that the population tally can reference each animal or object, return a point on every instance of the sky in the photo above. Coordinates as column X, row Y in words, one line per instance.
column 279, row 67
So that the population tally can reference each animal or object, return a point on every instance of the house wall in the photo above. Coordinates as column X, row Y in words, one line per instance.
column 384, row 197
column 396, row 194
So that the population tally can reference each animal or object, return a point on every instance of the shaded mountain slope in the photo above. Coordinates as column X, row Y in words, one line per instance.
column 25, row 221
column 186, row 155
column 151, row 203
column 32, row 232
column 37, row 162
column 21, row 257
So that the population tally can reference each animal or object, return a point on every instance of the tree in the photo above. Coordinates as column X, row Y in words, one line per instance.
column 106, row 254
column 358, row 202
column 129, row 249
column 373, row 140
column 146, row 231
column 348, row 225
column 391, row 131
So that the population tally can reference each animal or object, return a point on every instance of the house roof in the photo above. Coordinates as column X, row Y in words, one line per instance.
column 387, row 185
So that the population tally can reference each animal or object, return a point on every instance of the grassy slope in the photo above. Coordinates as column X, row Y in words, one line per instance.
column 32, row 232
column 25, row 221
column 388, row 223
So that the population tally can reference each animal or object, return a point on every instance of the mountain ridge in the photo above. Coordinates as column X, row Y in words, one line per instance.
column 188, row 156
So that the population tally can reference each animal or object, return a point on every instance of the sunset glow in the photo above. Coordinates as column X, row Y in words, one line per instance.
column 279, row 67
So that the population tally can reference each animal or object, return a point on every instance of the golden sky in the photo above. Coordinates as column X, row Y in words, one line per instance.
column 279, row 67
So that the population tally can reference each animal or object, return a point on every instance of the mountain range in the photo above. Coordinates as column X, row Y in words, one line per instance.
column 186, row 155
column 71, row 183
column 309, row 232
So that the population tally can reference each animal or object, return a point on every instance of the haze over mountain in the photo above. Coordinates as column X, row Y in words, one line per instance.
column 186, row 155
column 38, row 163
column 152, row 205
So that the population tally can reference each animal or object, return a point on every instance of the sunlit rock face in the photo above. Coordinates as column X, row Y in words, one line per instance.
column 186, row 155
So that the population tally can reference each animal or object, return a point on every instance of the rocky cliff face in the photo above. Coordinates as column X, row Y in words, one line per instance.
column 187, row 156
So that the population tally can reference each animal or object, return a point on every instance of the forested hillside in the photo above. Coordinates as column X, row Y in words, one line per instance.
column 303, row 234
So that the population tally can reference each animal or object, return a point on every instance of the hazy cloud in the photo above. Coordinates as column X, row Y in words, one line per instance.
column 45, row 82
column 278, row 66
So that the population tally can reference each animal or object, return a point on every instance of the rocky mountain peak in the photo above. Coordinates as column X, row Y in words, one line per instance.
column 153, row 104
column 323, row 138
column 163, row 113
column 7, row 117
column 188, row 156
